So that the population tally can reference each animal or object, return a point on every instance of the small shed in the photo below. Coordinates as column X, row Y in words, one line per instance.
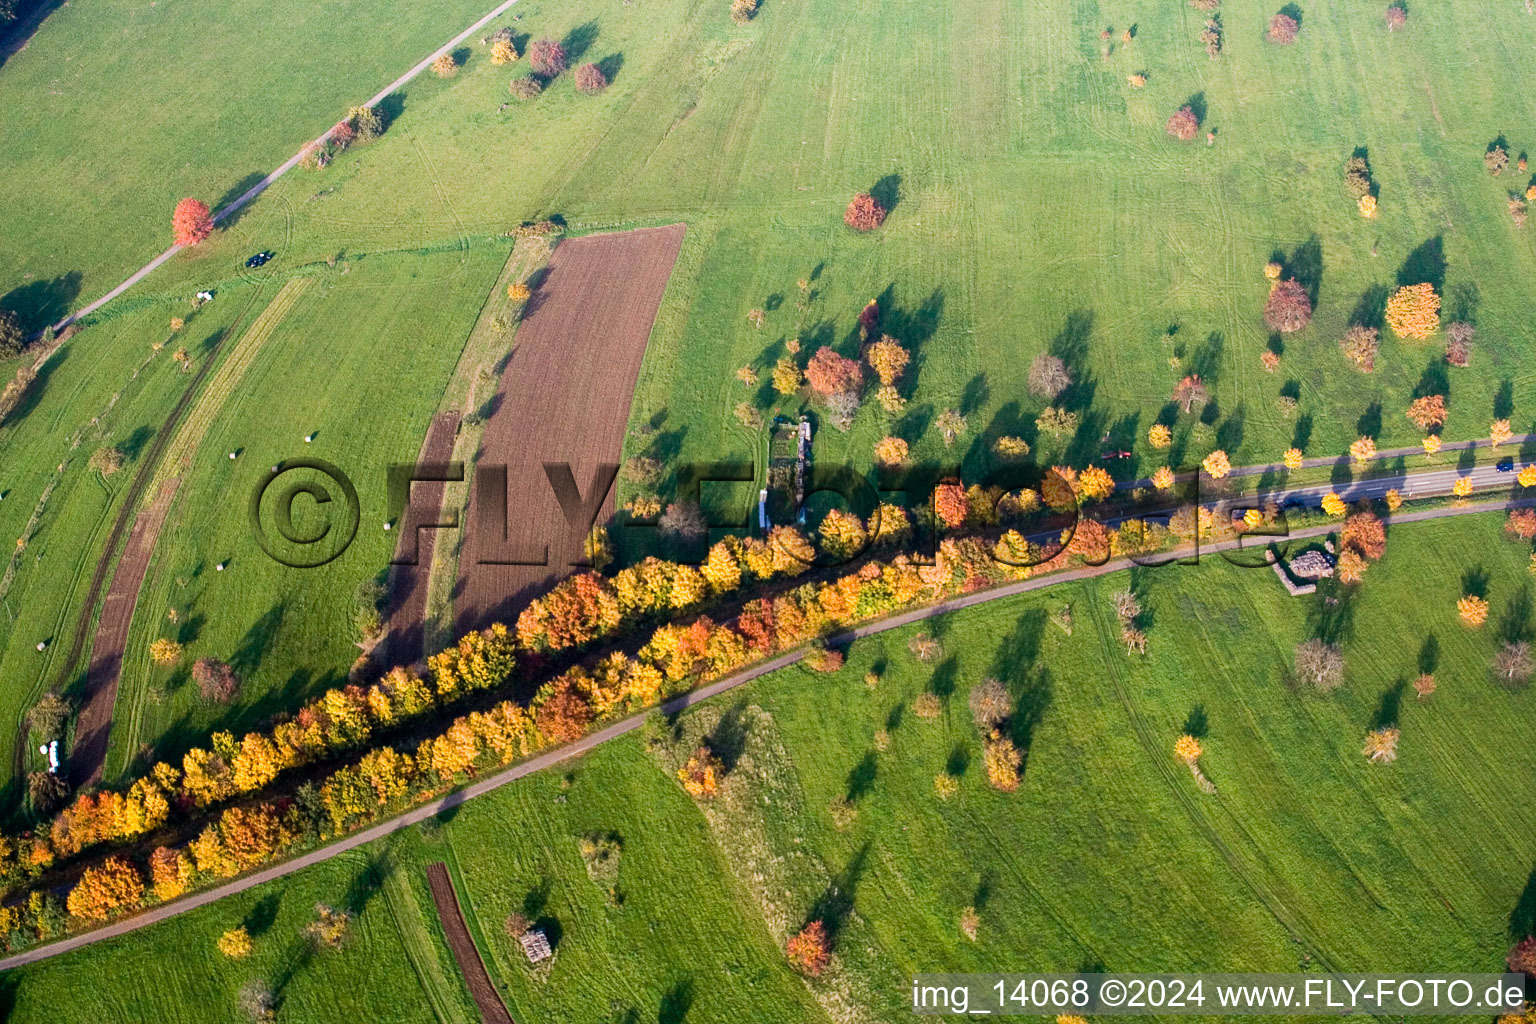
column 536, row 945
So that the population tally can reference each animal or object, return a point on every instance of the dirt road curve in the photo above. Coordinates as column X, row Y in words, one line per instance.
column 492, row 1009
column 563, row 398
column 672, row 707
column 404, row 644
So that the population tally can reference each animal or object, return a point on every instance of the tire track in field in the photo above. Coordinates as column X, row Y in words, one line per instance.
column 419, row 949
column 451, row 915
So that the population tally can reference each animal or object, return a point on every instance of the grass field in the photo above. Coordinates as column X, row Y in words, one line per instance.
column 1306, row 858
column 215, row 99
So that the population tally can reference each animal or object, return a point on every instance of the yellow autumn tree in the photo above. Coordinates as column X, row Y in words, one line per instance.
column 1413, row 311
column 1159, row 436
column 1363, row 450
column 1162, row 478
column 1187, row 749
column 1462, row 488
column 1334, row 505
column 1473, row 610
column 1003, row 760
column 445, row 66
column 891, row 451
column 1293, row 458
column 235, row 943
column 1216, row 464
column 1527, row 477
column 1394, row 500
column 503, row 52
column 517, row 291
column 1431, row 444
column 1499, row 432
column 112, row 885
column 165, row 652
column 1095, row 484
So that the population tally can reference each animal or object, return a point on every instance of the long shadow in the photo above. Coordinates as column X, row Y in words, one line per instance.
column 40, row 303
column 1426, row 264
column 258, row 639
column 1306, row 266
column 1371, row 308
column 1522, row 919
column 1389, row 708
column 729, row 737
column 36, row 389
column 578, row 41
column 1515, row 623
column 237, row 190
column 887, row 191
column 861, row 779
column 676, row 1002
column 611, row 65
column 835, row 903
column 28, row 17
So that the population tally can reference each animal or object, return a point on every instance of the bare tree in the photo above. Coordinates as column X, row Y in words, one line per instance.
column 989, row 704
column 1321, row 664
column 683, row 520
column 1048, row 376
column 1513, row 664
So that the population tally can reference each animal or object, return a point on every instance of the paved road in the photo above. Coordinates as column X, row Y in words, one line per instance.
column 261, row 186
column 672, row 707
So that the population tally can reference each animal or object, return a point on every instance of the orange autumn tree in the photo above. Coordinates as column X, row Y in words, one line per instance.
column 701, row 775
column 1413, row 311
column 1473, row 610
column 807, row 949
column 113, row 885
column 1427, row 412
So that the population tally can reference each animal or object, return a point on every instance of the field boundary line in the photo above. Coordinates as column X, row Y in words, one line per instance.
column 676, row 705
column 461, row 942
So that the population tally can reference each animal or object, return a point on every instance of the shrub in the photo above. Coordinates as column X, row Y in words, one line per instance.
column 503, row 52
column 1210, row 35
column 164, row 652
column 683, row 520
column 950, row 425
column 970, row 922
column 1048, row 376
column 215, row 680
column 864, row 213
column 329, row 928
column 807, row 950
column 590, row 79
column 1288, row 308
column 342, row 135
column 1397, row 17
column 891, row 451
column 1413, row 311
column 1183, row 125
column 445, row 66
column 106, row 460
column 192, row 222
column 701, row 775
column 525, row 88
column 989, row 704
column 547, row 58
column 945, row 786
column 1283, row 29
column 1009, row 448
column 48, row 717
column 1522, row 958
column 1357, row 177
column 1056, row 421
column 1137, row 80
column 12, row 338
column 1367, row 206
column 1360, row 345
column 742, row 11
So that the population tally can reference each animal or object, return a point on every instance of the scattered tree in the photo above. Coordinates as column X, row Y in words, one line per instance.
column 831, row 374
column 1413, row 311
column 1357, row 177
column 1288, row 308
column 891, row 451
column 950, row 425
column 888, row 359
column 47, row 791
column 1095, row 484
column 1159, row 436
column 1283, row 29
column 807, row 950
column 945, row 786
column 1216, row 465
column 257, row 1002
column 1190, row 392
column 526, row 87
column 1293, row 458
column 590, row 79
column 1056, row 421
column 1367, row 206
column 49, row 717
column 330, row 927
column 1462, row 488
column 1496, row 159
column 1473, row 610
column 989, row 704
column 1521, row 523
column 1381, row 745
column 1427, row 412
column 1362, row 450
column 1009, row 448
column 503, row 52
column 192, row 222
column 367, row 124
column 970, row 922
column 700, row 776
column 1183, row 125
column 1431, row 444
column 547, row 58
column 684, row 521
column 1513, row 664
column 1397, row 17
column 925, row 648
column 1359, row 345
column 1210, row 35
column 1499, row 432
column 445, row 66
column 1320, row 664
column 106, row 460
column 164, row 652
column 1162, row 478
column 216, row 681
column 1003, row 761
column 864, row 213
column 742, row 11
column 927, row 705
column 1048, row 376
column 13, row 340
column 1424, row 685
column 236, row 943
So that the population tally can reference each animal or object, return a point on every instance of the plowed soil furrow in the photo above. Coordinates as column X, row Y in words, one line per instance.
column 564, row 398
column 492, row 1009
column 404, row 643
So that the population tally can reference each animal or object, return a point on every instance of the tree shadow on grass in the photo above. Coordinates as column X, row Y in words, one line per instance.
column 1196, row 724
column 234, row 192
column 1426, row 264
column 887, row 191
column 1515, row 623
column 835, row 904
column 1474, row 582
column 611, row 65
column 578, row 41
column 1371, row 308
column 861, row 778
column 1389, row 707
column 729, row 737
column 40, row 303
column 676, row 1002
column 1522, row 919
column 1429, row 655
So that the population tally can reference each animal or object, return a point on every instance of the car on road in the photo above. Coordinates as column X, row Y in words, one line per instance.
column 259, row 258
column 1506, row 464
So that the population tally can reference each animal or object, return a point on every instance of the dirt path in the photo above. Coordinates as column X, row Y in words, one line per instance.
column 564, row 398
column 674, row 706
column 492, row 1009
column 404, row 644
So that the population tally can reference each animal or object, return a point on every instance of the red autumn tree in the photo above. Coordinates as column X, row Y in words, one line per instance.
column 192, row 222
column 590, row 79
column 1288, row 308
column 1283, row 29
column 1183, row 125
column 869, row 319
column 949, row 504
column 864, row 213
column 1364, row 534
column 807, row 951
column 1397, row 17
column 1191, row 391
column 1521, row 523
column 547, row 58
column 831, row 374
column 1427, row 412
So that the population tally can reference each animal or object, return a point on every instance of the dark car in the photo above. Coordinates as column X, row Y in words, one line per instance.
column 259, row 259
column 1506, row 464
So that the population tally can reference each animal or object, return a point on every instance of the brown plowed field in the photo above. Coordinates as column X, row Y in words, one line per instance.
column 564, row 397
column 94, row 724
column 492, row 1009
column 404, row 644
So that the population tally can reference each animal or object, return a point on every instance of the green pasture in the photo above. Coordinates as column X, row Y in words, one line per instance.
column 1307, row 857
